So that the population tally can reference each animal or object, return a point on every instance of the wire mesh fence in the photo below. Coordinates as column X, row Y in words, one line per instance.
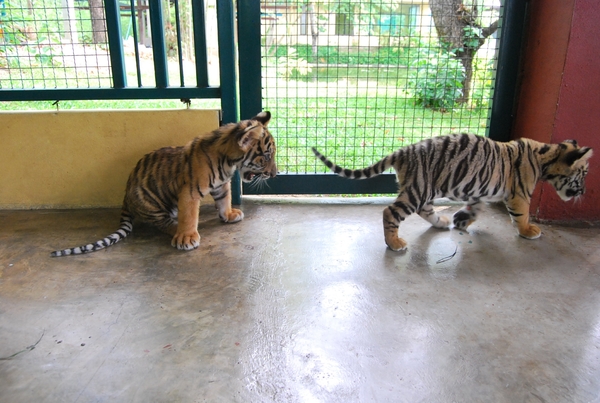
column 361, row 79
column 47, row 44
column 44, row 43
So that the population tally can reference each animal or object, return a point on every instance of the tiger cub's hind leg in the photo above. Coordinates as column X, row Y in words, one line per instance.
column 437, row 220
column 163, row 221
column 393, row 215
column 466, row 215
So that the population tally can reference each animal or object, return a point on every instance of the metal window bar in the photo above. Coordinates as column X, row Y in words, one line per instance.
column 57, row 51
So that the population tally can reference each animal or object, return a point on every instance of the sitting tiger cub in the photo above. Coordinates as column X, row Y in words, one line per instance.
column 474, row 169
column 166, row 185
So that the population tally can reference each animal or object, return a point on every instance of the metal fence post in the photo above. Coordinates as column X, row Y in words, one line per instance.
column 507, row 71
column 200, row 43
column 227, row 65
column 113, row 29
column 250, row 58
column 159, row 50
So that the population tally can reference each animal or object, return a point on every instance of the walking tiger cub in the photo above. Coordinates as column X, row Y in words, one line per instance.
column 166, row 185
column 474, row 169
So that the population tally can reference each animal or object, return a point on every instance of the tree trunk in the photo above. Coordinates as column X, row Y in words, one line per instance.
column 467, row 61
column 451, row 17
column 314, row 30
column 98, row 21
column 447, row 25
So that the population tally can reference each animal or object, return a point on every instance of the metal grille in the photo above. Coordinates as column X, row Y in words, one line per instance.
column 64, row 45
column 45, row 45
column 361, row 79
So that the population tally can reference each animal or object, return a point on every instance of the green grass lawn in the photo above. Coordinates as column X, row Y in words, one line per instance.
column 357, row 129
column 107, row 104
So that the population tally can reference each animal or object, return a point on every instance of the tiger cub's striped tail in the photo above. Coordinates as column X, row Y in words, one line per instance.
column 376, row 169
column 120, row 234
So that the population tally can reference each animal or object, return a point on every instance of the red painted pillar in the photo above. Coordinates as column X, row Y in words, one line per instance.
column 560, row 95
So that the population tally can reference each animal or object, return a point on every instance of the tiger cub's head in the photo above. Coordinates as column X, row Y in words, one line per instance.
column 258, row 146
column 567, row 170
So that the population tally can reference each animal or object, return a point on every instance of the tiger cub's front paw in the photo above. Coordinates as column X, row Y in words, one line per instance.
column 186, row 241
column 531, row 232
column 234, row 215
column 395, row 243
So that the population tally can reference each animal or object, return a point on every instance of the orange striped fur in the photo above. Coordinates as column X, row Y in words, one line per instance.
column 166, row 186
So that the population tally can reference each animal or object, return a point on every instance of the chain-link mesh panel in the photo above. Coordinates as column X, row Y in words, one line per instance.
column 361, row 79
column 47, row 45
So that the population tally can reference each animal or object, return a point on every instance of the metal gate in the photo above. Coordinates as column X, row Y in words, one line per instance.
column 358, row 80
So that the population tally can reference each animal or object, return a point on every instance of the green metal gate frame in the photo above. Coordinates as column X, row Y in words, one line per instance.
column 501, row 117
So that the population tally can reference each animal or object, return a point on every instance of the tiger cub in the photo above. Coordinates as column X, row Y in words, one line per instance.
column 166, row 186
column 473, row 169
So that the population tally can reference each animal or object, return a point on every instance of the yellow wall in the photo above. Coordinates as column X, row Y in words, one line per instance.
column 74, row 159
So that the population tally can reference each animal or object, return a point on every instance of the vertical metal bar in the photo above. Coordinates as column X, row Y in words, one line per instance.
column 249, row 48
column 227, row 63
column 199, row 22
column 159, row 49
column 179, row 47
column 136, row 48
column 115, row 44
column 507, row 71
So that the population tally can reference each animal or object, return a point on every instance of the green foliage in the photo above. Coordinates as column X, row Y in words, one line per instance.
column 483, row 77
column 292, row 66
column 472, row 36
column 436, row 79
column 21, row 32
column 385, row 55
column 43, row 54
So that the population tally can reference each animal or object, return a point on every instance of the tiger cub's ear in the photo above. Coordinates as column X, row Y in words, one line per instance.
column 583, row 154
column 249, row 137
column 263, row 117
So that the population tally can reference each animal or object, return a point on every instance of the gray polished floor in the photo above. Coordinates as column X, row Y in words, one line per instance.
column 300, row 302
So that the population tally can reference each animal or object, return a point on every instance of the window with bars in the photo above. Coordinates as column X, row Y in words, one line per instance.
column 110, row 49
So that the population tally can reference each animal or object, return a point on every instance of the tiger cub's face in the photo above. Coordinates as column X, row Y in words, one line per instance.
column 259, row 157
column 567, row 174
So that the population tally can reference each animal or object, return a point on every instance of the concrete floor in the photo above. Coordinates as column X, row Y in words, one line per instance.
column 300, row 302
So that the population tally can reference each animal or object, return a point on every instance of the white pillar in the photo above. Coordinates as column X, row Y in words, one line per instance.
column 69, row 20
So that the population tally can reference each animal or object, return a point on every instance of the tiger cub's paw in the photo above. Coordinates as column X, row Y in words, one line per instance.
column 442, row 222
column 531, row 232
column 396, row 243
column 234, row 215
column 462, row 219
column 186, row 241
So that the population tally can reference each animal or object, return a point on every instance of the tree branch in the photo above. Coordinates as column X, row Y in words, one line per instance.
column 490, row 30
